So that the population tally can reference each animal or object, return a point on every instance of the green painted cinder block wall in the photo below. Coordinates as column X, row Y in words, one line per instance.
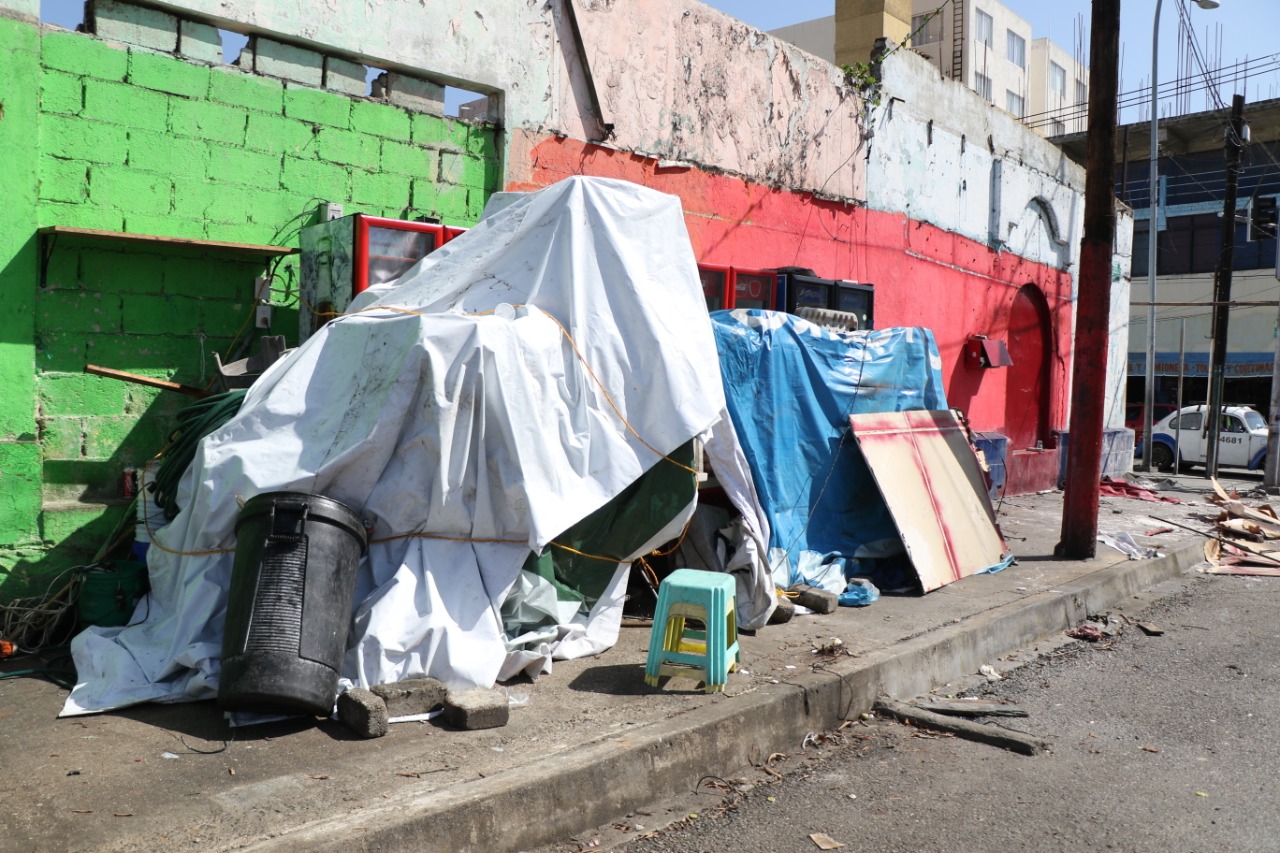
column 102, row 136
column 20, row 458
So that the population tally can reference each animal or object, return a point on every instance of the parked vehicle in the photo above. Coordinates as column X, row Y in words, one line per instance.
column 1133, row 418
column 1182, row 437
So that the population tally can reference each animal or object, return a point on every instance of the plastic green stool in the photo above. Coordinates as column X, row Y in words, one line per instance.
column 675, row 649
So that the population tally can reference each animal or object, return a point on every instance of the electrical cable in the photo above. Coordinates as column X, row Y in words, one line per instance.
column 1142, row 96
column 38, row 622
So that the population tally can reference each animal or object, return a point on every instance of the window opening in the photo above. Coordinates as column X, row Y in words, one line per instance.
column 927, row 28
column 983, row 29
column 233, row 45
column 62, row 13
column 373, row 86
column 1016, row 49
column 465, row 104
column 1058, row 79
column 982, row 84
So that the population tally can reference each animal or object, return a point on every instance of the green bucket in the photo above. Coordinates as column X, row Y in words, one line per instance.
column 109, row 591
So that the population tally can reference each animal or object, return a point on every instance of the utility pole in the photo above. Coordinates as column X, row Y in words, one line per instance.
column 1089, row 364
column 1222, row 285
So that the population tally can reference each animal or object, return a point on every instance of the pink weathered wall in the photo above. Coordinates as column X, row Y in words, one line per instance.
column 683, row 81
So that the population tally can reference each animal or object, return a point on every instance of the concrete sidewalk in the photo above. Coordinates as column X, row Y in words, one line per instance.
column 592, row 742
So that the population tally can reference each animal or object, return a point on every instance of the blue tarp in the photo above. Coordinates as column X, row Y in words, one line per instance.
column 790, row 388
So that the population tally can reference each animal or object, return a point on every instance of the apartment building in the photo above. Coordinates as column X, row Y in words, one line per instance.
column 981, row 42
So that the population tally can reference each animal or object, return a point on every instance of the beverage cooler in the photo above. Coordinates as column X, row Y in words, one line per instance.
column 800, row 290
column 731, row 287
column 345, row 256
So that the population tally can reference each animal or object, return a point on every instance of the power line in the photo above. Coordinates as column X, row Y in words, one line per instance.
column 1166, row 91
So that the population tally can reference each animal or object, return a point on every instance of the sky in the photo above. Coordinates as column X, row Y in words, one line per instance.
column 1237, row 30
column 1240, row 28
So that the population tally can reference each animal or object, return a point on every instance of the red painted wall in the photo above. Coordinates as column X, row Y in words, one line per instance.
column 924, row 276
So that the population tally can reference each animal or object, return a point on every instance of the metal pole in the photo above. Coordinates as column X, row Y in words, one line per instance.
column 1222, row 288
column 1149, row 388
column 1089, row 362
column 1271, row 466
column 1182, row 372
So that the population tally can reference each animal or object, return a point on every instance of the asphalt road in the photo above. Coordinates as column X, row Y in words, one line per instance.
column 1160, row 743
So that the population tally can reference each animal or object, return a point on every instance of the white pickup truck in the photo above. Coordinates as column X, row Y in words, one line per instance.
column 1182, row 437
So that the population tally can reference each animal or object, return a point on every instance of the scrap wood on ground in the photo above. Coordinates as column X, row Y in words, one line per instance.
column 1244, row 535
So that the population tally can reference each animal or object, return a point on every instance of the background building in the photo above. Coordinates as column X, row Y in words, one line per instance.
column 1192, row 185
column 982, row 43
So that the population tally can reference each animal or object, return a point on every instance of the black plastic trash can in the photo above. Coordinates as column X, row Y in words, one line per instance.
column 289, row 607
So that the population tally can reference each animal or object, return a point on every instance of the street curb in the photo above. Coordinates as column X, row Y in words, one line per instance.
column 599, row 781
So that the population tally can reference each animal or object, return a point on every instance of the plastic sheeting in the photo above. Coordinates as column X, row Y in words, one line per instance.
column 791, row 387
column 509, row 385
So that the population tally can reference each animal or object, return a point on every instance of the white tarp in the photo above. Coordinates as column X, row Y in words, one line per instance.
column 506, row 387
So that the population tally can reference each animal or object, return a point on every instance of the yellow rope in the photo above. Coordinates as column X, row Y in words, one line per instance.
column 442, row 536
column 146, row 519
column 650, row 576
column 612, row 405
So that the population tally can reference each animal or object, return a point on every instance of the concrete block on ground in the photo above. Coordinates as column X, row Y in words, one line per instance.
column 476, row 709
column 136, row 25
column 817, row 600
column 345, row 77
column 414, row 93
column 364, row 712
column 200, row 41
column 287, row 61
column 413, row 696
column 783, row 612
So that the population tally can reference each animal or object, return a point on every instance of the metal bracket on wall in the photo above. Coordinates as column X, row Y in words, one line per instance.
column 47, row 243
column 605, row 121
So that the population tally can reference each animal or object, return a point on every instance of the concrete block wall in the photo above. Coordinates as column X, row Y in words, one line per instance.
column 20, row 462
column 150, row 313
column 124, row 138
column 145, row 142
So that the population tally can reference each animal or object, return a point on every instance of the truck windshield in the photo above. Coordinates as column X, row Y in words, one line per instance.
column 1253, row 420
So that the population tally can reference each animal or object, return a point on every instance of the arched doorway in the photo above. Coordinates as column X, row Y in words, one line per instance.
column 1026, row 406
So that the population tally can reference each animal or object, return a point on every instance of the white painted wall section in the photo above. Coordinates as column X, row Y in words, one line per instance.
column 933, row 150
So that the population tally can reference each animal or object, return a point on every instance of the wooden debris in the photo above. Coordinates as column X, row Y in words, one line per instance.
column 824, row 841
column 1242, row 539
column 149, row 381
column 963, row 708
column 1003, row 738
column 1150, row 629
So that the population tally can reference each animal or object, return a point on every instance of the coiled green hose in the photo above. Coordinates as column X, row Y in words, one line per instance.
column 194, row 423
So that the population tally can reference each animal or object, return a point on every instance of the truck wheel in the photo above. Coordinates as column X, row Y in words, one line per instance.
column 1161, row 458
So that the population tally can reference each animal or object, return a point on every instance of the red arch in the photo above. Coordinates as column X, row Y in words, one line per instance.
column 1028, row 421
